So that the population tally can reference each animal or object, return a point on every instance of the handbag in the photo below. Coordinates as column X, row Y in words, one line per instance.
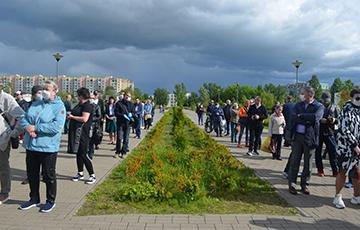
column 272, row 146
column 265, row 147
column 14, row 140
column 147, row 116
column 237, row 129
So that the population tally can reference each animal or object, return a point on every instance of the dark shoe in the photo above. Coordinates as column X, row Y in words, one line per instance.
column 279, row 158
column 292, row 190
column 97, row 147
column 127, row 150
column 114, row 149
column 47, row 207
column 306, row 191
column 26, row 181
column 29, row 205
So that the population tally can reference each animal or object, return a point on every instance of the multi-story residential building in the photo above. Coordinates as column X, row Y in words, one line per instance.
column 67, row 84
column 172, row 100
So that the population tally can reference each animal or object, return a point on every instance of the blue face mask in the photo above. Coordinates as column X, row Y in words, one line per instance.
column 38, row 97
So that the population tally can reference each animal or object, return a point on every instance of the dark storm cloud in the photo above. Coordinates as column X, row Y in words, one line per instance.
column 166, row 42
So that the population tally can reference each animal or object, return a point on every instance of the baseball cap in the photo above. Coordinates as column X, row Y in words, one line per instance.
column 18, row 92
column 96, row 92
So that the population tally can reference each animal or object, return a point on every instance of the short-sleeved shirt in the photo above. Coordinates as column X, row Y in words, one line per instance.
column 78, row 111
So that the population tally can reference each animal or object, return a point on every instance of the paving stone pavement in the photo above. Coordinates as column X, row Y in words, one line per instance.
column 317, row 210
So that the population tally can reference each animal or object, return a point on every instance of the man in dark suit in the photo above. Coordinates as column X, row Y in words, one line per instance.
column 287, row 114
column 100, row 103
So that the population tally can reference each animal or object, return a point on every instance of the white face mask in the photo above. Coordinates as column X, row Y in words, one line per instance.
column 356, row 103
column 38, row 97
column 129, row 99
column 121, row 96
column 46, row 94
column 91, row 101
column 302, row 97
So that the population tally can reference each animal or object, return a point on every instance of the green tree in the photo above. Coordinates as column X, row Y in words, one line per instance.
column 315, row 84
column 212, row 89
column 204, row 96
column 109, row 91
column 144, row 97
column 230, row 93
column 268, row 99
column 161, row 96
column 180, row 94
column 278, row 91
column 348, row 84
column 336, row 87
column 9, row 88
column 192, row 100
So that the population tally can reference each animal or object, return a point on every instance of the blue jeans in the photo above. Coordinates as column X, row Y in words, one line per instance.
column 242, row 127
column 217, row 127
column 137, row 126
column 122, row 134
column 233, row 134
column 331, row 148
column 200, row 119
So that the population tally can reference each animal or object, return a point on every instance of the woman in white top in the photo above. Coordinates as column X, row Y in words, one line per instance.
column 276, row 130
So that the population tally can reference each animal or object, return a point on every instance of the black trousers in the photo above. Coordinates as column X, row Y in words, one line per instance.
column 82, row 157
column 256, row 129
column 48, row 162
column 278, row 139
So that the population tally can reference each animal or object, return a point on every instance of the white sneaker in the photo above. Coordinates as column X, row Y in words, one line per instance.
column 338, row 201
column 249, row 153
column 91, row 180
column 355, row 200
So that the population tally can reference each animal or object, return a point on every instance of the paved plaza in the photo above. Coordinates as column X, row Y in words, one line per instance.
column 317, row 211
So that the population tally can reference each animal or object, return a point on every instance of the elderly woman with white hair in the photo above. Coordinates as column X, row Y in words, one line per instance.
column 43, row 123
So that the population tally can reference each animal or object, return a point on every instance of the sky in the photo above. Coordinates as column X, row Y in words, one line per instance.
column 158, row 43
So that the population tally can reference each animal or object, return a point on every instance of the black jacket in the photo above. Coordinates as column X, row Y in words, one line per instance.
column 122, row 109
column 261, row 111
column 330, row 111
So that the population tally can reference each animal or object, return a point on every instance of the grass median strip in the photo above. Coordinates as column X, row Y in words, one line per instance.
column 178, row 168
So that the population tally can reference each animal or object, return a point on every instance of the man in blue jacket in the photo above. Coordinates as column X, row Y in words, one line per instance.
column 218, row 115
column 305, row 128
column 137, row 116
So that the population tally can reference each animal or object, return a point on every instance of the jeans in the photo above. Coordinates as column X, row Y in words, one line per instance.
column 242, row 127
column 48, row 162
column 331, row 147
column 233, row 134
column 137, row 126
column 299, row 148
column 200, row 119
column 217, row 127
column 122, row 134
column 278, row 139
column 227, row 126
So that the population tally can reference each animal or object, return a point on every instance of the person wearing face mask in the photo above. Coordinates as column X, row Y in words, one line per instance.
column 36, row 92
column 276, row 130
column 95, row 126
column 69, row 107
column 305, row 128
column 43, row 123
column 348, row 149
column 124, row 112
column 81, row 119
column 327, row 129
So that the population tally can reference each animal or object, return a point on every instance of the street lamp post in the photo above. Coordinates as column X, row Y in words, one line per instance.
column 219, row 95
column 237, row 92
column 297, row 65
column 57, row 57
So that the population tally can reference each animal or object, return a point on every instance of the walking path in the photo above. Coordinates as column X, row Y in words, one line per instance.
column 317, row 209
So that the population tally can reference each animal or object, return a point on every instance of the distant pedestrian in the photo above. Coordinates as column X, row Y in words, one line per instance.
column 69, row 107
column 137, row 116
column 200, row 112
column 227, row 116
column 110, row 127
column 276, row 130
column 95, row 126
column 244, row 123
column 257, row 114
column 234, row 118
column 218, row 116
column 287, row 114
column 147, row 114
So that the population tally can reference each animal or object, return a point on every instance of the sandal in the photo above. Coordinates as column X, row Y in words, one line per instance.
column 110, row 143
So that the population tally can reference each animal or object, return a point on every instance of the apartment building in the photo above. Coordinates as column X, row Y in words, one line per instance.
column 67, row 84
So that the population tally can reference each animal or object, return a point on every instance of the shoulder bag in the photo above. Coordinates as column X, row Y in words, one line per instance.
column 14, row 140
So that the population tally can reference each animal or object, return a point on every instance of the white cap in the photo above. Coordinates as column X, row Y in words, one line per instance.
column 18, row 92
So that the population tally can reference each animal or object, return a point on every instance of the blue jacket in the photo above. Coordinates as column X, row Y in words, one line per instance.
column 48, row 118
column 217, row 118
column 287, row 113
column 310, row 118
column 147, row 108
column 227, row 112
column 139, row 110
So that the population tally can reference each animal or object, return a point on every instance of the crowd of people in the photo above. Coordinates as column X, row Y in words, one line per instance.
column 305, row 125
column 40, row 122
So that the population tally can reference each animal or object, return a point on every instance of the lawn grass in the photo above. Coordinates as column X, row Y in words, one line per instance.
column 199, row 176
